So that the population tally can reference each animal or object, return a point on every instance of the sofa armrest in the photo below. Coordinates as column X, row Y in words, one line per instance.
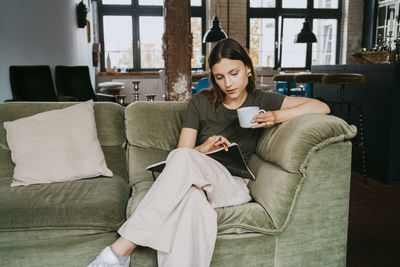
column 284, row 156
column 291, row 144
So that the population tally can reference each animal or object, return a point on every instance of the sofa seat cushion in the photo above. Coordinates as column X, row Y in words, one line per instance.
column 246, row 218
column 93, row 204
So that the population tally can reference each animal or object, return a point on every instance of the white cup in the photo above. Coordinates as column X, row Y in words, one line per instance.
column 247, row 114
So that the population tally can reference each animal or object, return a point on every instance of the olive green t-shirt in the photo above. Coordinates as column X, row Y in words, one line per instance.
column 200, row 116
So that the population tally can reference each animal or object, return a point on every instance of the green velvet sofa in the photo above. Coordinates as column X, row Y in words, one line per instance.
column 299, row 215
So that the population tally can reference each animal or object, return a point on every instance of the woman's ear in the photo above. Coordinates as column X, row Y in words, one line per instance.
column 248, row 71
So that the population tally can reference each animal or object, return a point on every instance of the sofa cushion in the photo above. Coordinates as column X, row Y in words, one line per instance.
column 140, row 158
column 56, row 146
column 111, row 194
column 274, row 189
column 160, row 124
column 93, row 204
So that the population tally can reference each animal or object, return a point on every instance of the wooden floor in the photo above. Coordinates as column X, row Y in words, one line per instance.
column 374, row 224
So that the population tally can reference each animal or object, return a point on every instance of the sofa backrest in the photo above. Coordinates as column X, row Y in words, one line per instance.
column 109, row 119
column 152, row 131
column 279, row 164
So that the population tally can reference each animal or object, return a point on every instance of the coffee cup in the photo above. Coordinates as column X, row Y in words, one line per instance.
column 247, row 114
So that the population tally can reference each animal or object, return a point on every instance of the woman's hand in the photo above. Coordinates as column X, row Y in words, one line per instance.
column 213, row 143
column 265, row 119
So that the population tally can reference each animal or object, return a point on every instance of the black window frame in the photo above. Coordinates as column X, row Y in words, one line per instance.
column 135, row 11
column 311, row 12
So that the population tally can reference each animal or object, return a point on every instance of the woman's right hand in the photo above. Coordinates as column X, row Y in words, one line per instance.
column 213, row 143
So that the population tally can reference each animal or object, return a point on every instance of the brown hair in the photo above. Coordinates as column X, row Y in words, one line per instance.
column 230, row 49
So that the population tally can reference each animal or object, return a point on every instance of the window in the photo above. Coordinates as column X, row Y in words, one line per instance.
column 262, row 3
column 150, row 35
column 326, row 4
column 294, row 3
column 293, row 55
column 131, row 33
column 118, row 43
column 262, row 42
column 273, row 25
column 324, row 52
column 387, row 20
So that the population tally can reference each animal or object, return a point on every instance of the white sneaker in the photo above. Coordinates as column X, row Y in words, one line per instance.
column 106, row 258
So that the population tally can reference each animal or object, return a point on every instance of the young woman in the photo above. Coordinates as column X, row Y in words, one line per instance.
column 177, row 217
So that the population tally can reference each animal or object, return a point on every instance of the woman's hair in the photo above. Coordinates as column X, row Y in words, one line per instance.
column 230, row 49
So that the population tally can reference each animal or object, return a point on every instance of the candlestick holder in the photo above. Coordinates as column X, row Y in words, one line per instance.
column 388, row 48
column 150, row 97
column 136, row 91
column 397, row 48
column 379, row 43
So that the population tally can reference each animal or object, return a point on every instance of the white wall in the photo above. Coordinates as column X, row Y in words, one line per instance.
column 41, row 32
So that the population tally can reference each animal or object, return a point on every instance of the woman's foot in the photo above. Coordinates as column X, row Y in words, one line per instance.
column 107, row 258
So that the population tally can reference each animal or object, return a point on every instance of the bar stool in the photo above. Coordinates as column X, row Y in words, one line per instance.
column 309, row 78
column 344, row 79
column 288, row 78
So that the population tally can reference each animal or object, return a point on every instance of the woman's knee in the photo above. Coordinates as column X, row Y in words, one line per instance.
column 182, row 154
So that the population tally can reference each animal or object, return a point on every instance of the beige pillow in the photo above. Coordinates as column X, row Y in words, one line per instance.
column 56, row 146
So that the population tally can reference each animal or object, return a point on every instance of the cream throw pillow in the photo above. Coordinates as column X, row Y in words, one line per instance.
column 56, row 146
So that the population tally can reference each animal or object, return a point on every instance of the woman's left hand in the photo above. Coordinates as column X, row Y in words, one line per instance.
column 265, row 119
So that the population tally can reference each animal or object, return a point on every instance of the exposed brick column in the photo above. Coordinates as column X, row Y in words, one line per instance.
column 177, row 49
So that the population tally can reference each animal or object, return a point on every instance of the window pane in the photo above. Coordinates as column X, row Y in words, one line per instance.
column 381, row 16
column 195, row 2
column 118, row 43
column 151, row 31
column 151, row 2
column 326, row 3
column 324, row 51
column 262, row 3
column 379, row 36
column 195, row 24
column 116, row 2
column 398, row 20
column 294, row 3
column 262, row 39
column 390, row 19
column 293, row 54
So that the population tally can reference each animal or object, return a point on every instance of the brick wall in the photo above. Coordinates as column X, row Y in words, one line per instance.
column 351, row 32
column 237, row 18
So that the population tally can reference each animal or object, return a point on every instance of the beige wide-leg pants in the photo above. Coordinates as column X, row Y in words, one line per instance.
column 177, row 217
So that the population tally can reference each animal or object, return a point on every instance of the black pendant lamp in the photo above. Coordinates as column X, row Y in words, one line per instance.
column 305, row 35
column 215, row 33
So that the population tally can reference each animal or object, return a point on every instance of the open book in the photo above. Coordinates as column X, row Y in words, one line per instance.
column 231, row 159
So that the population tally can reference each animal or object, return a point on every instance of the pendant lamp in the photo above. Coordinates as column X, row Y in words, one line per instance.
column 305, row 35
column 215, row 33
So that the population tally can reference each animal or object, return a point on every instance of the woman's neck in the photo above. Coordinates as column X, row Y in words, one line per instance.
column 236, row 102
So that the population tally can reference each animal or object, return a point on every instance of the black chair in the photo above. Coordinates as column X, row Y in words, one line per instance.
column 75, row 81
column 32, row 83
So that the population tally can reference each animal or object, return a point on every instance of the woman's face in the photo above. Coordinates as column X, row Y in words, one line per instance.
column 232, row 77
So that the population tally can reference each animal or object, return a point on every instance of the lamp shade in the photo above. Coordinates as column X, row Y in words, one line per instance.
column 215, row 33
column 305, row 35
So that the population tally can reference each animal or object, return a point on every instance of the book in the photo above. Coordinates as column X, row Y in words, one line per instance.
column 232, row 160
